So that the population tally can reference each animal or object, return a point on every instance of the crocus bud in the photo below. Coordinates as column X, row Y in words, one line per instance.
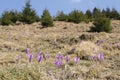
column 27, row 50
column 39, row 53
column 59, row 56
column 117, row 45
column 30, row 56
column 58, row 63
column 93, row 57
column 77, row 59
column 100, row 57
column 39, row 58
column 67, row 59
column 18, row 58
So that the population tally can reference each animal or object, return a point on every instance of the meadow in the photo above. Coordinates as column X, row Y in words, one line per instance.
column 66, row 51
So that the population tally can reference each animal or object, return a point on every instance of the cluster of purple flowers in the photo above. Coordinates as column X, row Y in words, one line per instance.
column 31, row 56
column 59, row 59
column 99, row 57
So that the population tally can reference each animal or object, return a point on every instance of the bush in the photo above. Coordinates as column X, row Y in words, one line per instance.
column 0, row 21
column 6, row 18
column 101, row 24
column 77, row 17
column 15, row 16
column 89, row 14
column 10, row 17
column 46, row 19
column 96, row 12
column 114, row 14
column 61, row 17
column 28, row 14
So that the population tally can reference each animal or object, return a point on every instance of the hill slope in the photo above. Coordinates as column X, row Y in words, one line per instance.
column 65, row 38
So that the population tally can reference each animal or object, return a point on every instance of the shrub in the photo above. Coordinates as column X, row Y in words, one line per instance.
column 10, row 17
column 96, row 12
column 28, row 14
column 0, row 21
column 114, row 14
column 119, row 17
column 6, row 18
column 108, row 12
column 61, row 16
column 101, row 24
column 46, row 19
column 89, row 14
column 15, row 16
column 76, row 17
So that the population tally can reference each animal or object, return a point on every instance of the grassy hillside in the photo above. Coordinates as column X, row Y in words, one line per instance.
column 68, row 39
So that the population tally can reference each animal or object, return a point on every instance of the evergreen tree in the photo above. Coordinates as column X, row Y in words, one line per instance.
column 101, row 24
column 28, row 14
column 6, row 18
column 61, row 16
column 119, row 17
column 46, row 19
column 89, row 14
column 0, row 20
column 108, row 12
column 15, row 16
column 76, row 17
column 10, row 17
column 104, row 13
column 96, row 12
column 114, row 14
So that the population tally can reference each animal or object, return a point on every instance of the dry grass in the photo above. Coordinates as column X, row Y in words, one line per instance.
column 61, row 38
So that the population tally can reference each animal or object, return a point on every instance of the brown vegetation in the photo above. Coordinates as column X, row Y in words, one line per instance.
column 61, row 38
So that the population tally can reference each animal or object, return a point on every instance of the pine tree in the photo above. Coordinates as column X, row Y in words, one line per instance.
column 96, row 12
column 10, row 17
column 101, row 24
column 89, row 14
column 28, row 14
column 114, row 14
column 61, row 16
column 0, row 20
column 76, row 17
column 6, row 18
column 104, row 13
column 46, row 19
column 108, row 12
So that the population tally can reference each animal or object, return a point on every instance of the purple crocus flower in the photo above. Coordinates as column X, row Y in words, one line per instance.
column 58, row 63
column 59, row 56
column 27, row 50
column 39, row 58
column 18, row 58
column 67, row 59
column 93, row 57
column 39, row 53
column 77, row 59
column 30, row 56
column 117, row 45
column 100, row 57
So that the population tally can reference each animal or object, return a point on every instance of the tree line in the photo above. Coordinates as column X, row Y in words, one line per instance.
column 28, row 16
